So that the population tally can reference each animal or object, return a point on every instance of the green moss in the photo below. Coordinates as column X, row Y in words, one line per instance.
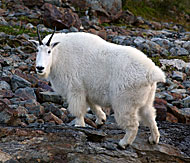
column 156, row 60
column 18, row 30
column 29, row 20
column 184, row 58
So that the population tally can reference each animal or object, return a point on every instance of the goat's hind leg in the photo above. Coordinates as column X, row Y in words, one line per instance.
column 126, row 118
column 78, row 107
column 147, row 114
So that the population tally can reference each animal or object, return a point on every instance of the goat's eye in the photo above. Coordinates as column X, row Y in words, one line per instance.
column 37, row 50
column 49, row 51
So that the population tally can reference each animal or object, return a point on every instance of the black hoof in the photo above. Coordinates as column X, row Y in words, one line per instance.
column 122, row 148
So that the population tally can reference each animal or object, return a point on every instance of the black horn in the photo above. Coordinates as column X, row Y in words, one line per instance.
column 48, row 43
column 39, row 38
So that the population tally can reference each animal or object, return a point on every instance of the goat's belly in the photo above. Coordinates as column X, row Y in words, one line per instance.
column 101, row 99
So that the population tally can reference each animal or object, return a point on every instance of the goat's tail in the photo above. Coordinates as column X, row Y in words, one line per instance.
column 157, row 75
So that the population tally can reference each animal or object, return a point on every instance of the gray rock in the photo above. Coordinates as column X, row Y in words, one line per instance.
column 186, row 45
column 31, row 118
column 179, row 91
column 54, row 2
column 177, row 75
column 164, row 52
column 18, row 82
column 154, row 47
column 3, row 21
column 73, row 29
column 90, row 146
column 186, row 102
column 186, row 83
column 50, row 97
column 162, row 42
column 4, row 85
column 139, row 40
column 176, row 63
column 182, row 52
column 25, row 93
column 118, row 39
column 178, row 51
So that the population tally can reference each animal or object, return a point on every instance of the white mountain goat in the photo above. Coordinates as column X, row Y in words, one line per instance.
column 89, row 71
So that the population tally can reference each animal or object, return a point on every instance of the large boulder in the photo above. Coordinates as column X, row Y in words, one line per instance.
column 60, row 17
column 104, row 10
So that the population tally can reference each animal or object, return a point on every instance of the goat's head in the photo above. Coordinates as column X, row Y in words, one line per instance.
column 44, row 55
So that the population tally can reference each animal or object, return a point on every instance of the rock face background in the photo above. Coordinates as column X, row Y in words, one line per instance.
column 35, row 125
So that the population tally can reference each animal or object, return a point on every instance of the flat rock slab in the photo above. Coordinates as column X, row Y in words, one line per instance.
column 60, row 143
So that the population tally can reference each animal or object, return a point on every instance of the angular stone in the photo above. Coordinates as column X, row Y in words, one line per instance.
column 101, row 33
column 31, row 78
column 139, row 40
column 161, row 109
column 22, row 111
column 183, row 115
column 7, row 115
column 105, row 11
column 186, row 83
column 178, row 91
column 18, row 82
column 31, row 118
column 33, row 3
column 48, row 117
column 171, row 118
column 45, row 86
column 177, row 63
column 53, row 109
column 162, row 42
column 186, row 113
column 186, row 45
column 60, row 17
column 4, row 85
column 50, row 97
column 186, row 102
column 177, row 75
column 6, row 94
column 25, row 93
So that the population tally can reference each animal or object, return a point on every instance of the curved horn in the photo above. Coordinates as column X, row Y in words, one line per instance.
column 48, row 43
column 39, row 38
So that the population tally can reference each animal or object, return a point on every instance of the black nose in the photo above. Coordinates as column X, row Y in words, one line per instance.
column 40, row 68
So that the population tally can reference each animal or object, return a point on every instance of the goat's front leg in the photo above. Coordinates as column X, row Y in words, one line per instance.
column 97, row 110
column 77, row 107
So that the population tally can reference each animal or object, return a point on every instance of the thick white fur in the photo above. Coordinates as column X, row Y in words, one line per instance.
column 89, row 71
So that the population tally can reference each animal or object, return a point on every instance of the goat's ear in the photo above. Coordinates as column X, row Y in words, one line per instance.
column 54, row 44
column 34, row 42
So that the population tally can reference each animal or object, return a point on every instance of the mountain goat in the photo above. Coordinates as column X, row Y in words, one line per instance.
column 91, row 72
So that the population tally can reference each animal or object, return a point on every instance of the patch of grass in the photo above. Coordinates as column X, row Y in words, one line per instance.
column 160, row 10
column 156, row 59
column 29, row 20
column 18, row 30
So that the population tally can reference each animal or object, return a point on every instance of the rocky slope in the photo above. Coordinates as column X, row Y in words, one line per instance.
column 35, row 124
